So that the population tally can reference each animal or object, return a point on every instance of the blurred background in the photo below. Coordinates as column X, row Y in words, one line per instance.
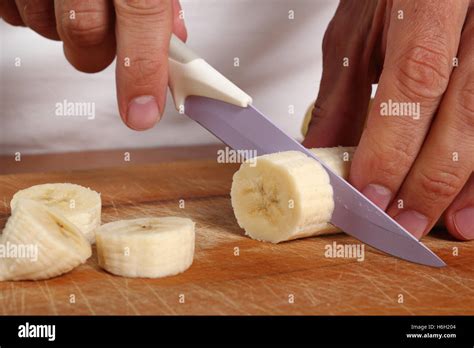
column 280, row 66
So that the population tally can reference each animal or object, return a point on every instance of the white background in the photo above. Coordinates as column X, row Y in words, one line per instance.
column 280, row 64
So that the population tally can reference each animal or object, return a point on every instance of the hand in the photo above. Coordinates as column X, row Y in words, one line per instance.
column 95, row 31
column 419, row 165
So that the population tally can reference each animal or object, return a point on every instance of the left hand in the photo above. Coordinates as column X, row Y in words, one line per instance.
column 415, row 168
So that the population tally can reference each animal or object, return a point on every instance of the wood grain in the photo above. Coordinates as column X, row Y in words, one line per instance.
column 258, row 281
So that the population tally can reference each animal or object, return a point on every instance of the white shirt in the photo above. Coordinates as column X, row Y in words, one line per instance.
column 280, row 66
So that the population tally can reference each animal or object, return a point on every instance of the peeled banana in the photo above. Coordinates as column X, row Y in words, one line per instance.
column 287, row 195
column 146, row 247
column 80, row 205
column 38, row 242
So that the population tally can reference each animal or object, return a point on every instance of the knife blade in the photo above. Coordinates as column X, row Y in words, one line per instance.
column 246, row 128
column 212, row 100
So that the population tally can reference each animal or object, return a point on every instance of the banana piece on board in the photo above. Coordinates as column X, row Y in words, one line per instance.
column 147, row 247
column 80, row 205
column 287, row 195
column 40, row 243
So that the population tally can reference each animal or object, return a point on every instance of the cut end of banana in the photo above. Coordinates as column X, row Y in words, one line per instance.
column 282, row 196
column 38, row 242
column 146, row 247
column 80, row 205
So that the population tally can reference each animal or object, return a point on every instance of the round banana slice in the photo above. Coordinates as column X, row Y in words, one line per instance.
column 146, row 247
column 283, row 196
column 39, row 243
column 80, row 205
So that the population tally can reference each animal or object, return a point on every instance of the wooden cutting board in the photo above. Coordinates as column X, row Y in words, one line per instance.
column 289, row 278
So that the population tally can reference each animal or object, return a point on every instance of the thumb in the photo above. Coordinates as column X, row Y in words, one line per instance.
column 143, row 31
column 349, row 68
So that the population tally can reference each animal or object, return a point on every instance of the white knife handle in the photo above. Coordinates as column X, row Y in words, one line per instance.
column 189, row 74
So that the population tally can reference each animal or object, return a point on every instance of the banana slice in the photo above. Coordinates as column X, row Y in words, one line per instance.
column 80, row 205
column 147, row 247
column 39, row 243
column 287, row 195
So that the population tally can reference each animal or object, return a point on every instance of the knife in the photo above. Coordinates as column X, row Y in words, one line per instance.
column 210, row 99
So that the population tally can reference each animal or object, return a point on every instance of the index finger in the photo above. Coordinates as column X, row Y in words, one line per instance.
column 422, row 40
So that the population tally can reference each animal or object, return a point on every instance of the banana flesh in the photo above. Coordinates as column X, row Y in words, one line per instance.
column 55, row 245
column 80, row 205
column 147, row 247
column 287, row 195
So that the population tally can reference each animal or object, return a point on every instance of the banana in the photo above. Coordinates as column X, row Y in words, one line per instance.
column 146, row 247
column 287, row 195
column 80, row 205
column 339, row 158
column 40, row 243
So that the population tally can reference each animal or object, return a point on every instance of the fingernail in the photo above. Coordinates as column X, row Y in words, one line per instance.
column 143, row 112
column 413, row 222
column 464, row 222
column 377, row 194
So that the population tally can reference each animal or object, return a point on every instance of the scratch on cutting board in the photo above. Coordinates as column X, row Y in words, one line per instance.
column 140, row 187
column 4, row 298
column 22, row 300
column 14, row 290
column 377, row 287
column 407, row 309
column 212, row 294
column 50, row 297
column 226, row 299
column 426, row 275
column 114, row 207
column 409, row 294
column 251, row 287
column 240, row 283
column 125, row 296
column 266, row 286
column 311, row 298
column 459, row 280
column 5, row 202
column 84, row 297
column 158, row 297
column 346, row 305
column 14, row 295
column 325, row 292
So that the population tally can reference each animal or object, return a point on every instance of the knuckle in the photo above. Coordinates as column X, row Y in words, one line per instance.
column 38, row 18
column 424, row 72
column 87, row 28
column 466, row 100
column 439, row 185
column 143, row 7
column 318, row 114
column 391, row 162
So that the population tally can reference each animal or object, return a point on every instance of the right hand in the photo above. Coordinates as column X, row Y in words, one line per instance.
column 93, row 32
